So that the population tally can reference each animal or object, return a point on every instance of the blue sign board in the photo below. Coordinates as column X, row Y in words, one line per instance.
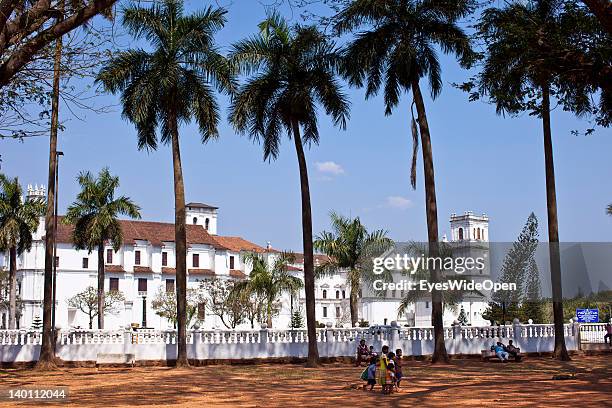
column 587, row 315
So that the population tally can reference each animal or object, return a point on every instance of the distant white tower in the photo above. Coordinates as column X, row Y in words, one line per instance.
column 36, row 193
column 202, row 214
column 469, row 227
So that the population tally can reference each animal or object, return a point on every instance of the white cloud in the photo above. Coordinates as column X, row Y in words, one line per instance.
column 398, row 202
column 329, row 167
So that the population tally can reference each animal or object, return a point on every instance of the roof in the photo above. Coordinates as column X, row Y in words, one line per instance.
column 154, row 232
column 142, row 269
column 201, row 205
column 238, row 274
column 114, row 268
column 291, row 268
column 238, row 244
column 318, row 259
column 206, row 272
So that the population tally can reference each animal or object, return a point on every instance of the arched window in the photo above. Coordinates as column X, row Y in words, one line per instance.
column 195, row 220
column 460, row 234
column 206, row 224
column 324, row 294
column 337, row 294
column 343, row 294
column 478, row 233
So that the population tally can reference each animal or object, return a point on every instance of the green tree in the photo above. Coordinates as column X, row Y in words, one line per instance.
column 164, row 304
column 169, row 85
column 36, row 323
column 291, row 71
column 18, row 220
column 297, row 320
column 524, row 65
column 88, row 302
column 350, row 247
column 269, row 281
column 94, row 216
column 397, row 49
column 462, row 318
column 224, row 302
column 532, row 306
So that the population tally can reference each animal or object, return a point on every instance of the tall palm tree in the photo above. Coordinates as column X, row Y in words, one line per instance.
column 94, row 216
column 350, row 247
column 167, row 86
column 292, row 70
column 18, row 220
column 397, row 50
column 269, row 281
column 526, row 43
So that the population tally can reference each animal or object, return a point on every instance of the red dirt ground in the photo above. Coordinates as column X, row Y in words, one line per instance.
column 462, row 383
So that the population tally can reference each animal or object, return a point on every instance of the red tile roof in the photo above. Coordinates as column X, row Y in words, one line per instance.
column 293, row 268
column 238, row 274
column 169, row 271
column 142, row 269
column 154, row 232
column 238, row 244
column 114, row 268
column 318, row 258
column 206, row 272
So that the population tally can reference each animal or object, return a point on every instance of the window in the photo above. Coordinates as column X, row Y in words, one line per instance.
column 85, row 263
column 324, row 294
column 195, row 220
column 337, row 294
column 324, row 312
column 57, row 261
column 142, row 284
column 113, row 284
column 196, row 260
column 478, row 233
column 426, row 305
column 201, row 311
column 231, row 262
column 460, row 234
column 206, row 223
column 136, row 257
column 337, row 311
column 109, row 256
column 164, row 259
column 169, row 285
column 343, row 294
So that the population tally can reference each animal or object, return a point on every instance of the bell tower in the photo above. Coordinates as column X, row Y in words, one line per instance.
column 202, row 214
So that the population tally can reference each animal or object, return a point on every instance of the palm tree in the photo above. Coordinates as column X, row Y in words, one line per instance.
column 350, row 247
column 18, row 220
column 396, row 51
column 269, row 281
column 94, row 216
column 526, row 43
column 169, row 85
column 292, row 70
column 609, row 209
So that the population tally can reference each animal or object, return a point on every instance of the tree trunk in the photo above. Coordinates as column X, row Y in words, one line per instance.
column 353, row 300
column 553, row 230
column 180, row 242
column 431, row 210
column 100, row 286
column 13, row 288
column 269, row 313
column 47, row 349
column 309, row 280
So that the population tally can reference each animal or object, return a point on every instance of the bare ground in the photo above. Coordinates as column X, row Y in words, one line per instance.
column 462, row 383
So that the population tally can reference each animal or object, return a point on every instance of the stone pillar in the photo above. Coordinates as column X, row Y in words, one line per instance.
column 263, row 341
column 456, row 330
column 329, row 340
column 394, row 336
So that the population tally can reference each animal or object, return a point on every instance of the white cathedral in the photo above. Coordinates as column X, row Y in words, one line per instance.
column 145, row 264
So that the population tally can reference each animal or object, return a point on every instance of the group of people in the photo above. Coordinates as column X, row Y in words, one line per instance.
column 384, row 369
column 503, row 352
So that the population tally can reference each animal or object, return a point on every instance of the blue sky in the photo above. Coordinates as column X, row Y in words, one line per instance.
column 483, row 163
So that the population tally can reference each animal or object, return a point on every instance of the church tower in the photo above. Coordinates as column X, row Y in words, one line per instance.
column 469, row 227
column 202, row 214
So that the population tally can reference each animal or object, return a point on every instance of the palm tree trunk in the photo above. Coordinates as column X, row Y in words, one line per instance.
column 269, row 313
column 309, row 281
column 353, row 304
column 553, row 230
column 13, row 288
column 47, row 349
column 431, row 210
column 180, row 241
column 100, row 286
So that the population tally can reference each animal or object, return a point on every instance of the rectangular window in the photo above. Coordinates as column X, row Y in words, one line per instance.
column 136, row 257
column 201, row 311
column 164, row 259
column 324, row 312
column 196, row 260
column 109, row 256
column 231, row 262
column 169, row 285
column 57, row 261
column 85, row 263
column 114, row 284
column 426, row 305
column 337, row 311
column 142, row 284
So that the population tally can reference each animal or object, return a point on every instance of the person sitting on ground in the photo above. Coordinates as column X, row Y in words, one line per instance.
column 499, row 352
column 372, row 352
column 512, row 350
column 371, row 374
column 383, row 361
column 398, row 367
column 608, row 335
column 362, row 352
column 389, row 375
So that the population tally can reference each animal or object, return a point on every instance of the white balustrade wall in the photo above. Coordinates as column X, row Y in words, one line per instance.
column 85, row 345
